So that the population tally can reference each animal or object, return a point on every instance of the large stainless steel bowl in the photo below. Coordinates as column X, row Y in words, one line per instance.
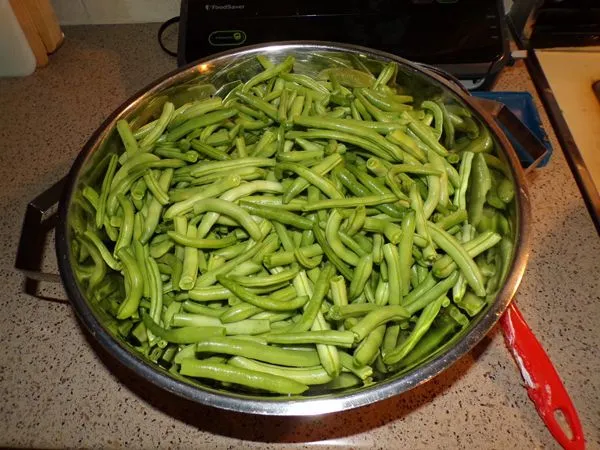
column 181, row 86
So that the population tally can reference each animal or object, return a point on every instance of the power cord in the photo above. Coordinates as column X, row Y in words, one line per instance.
column 161, row 30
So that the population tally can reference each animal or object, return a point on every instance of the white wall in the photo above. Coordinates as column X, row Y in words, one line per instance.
column 75, row 12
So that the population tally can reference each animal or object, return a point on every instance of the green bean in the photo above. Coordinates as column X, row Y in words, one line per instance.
column 459, row 289
column 305, row 81
column 356, row 220
column 276, row 318
column 433, row 195
column 90, row 194
column 184, row 335
column 126, row 229
column 342, row 312
column 289, row 257
column 421, row 223
column 104, row 252
column 208, row 151
column 496, row 163
column 269, row 73
column 251, row 378
column 134, row 286
column 356, row 130
column 460, row 256
column 156, row 288
column 375, row 111
column 129, row 142
column 278, row 214
column 195, row 110
column 293, row 205
column 133, row 164
column 321, row 169
column 159, row 194
column 439, row 289
column 234, row 194
column 167, row 316
column 352, row 244
column 363, row 372
column 437, row 117
column 353, row 185
column 267, row 353
column 464, row 173
column 190, row 156
column 190, row 262
column 368, row 349
column 240, row 327
column 424, row 133
column 328, row 337
column 452, row 219
column 161, row 248
column 352, row 202
column 98, row 272
column 506, row 190
column 482, row 143
column 331, row 254
column 313, row 306
column 480, row 185
column 161, row 124
column 421, row 327
column 484, row 241
column 390, row 338
column 471, row 304
column 399, row 137
column 198, row 122
column 266, row 303
column 259, row 104
column 328, row 354
column 232, row 210
column 440, row 163
column 313, row 178
column 443, row 327
column 193, row 242
column 126, row 183
column 331, row 233
column 405, row 252
column 343, row 137
column 187, row 205
column 239, row 312
column 382, row 292
column 105, row 189
column 306, row 375
column 390, row 253
column 391, row 231
column 378, row 317
column 248, row 327
column 268, row 280
column 297, row 156
column 337, row 286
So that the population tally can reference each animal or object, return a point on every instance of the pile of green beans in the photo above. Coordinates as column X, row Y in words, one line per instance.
column 298, row 235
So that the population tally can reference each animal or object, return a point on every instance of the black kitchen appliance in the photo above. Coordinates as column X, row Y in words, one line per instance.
column 466, row 38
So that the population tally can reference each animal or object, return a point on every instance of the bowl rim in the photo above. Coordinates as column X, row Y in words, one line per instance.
column 309, row 405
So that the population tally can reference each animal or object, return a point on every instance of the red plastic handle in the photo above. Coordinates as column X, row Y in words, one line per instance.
column 543, row 383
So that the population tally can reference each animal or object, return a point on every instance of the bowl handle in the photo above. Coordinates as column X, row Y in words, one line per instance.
column 40, row 218
column 517, row 129
column 542, row 381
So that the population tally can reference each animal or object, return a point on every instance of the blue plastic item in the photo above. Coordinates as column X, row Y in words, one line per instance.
column 521, row 104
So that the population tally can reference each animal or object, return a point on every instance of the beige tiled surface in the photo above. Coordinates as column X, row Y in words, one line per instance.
column 57, row 391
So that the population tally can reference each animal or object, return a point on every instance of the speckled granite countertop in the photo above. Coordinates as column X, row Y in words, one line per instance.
column 57, row 391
